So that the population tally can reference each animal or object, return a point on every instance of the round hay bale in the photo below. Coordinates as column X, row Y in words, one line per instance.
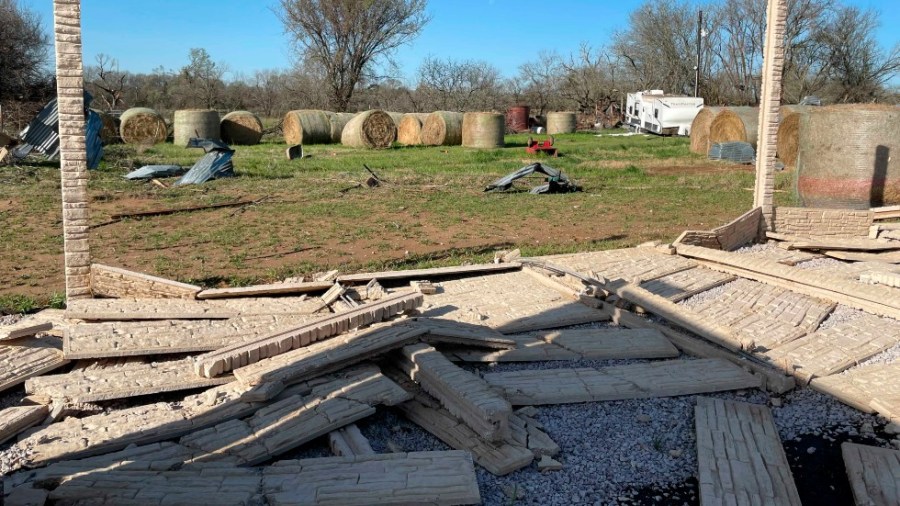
column 700, row 129
column 370, row 129
column 241, row 128
column 483, row 130
column 789, row 135
column 306, row 127
column 338, row 120
column 109, row 133
column 410, row 130
column 735, row 124
column 561, row 123
column 396, row 116
column 196, row 123
column 140, row 125
column 848, row 156
column 442, row 128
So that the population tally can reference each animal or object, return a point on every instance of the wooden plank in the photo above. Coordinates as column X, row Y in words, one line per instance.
column 579, row 344
column 107, row 281
column 365, row 277
column 765, row 316
column 861, row 385
column 107, row 432
column 26, row 327
column 874, row 474
column 638, row 381
column 265, row 290
column 772, row 379
column 635, row 265
column 499, row 458
column 683, row 284
column 871, row 298
column 121, row 382
column 123, row 339
column 174, row 309
column 268, row 377
column 837, row 348
column 295, row 419
column 740, row 457
column 243, row 354
column 833, row 243
column 448, row 331
column 892, row 257
column 462, row 393
column 18, row 418
column 348, row 442
column 442, row 478
column 886, row 213
column 510, row 303
column 27, row 357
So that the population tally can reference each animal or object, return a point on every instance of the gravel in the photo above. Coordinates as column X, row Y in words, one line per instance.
column 9, row 319
column 704, row 297
column 821, row 263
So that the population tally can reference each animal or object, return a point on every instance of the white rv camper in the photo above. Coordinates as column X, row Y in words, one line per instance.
column 655, row 112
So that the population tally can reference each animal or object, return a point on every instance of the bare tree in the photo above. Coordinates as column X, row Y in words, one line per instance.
column 108, row 82
column 202, row 80
column 24, row 50
column 541, row 79
column 347, row 37
column 458, row 85
column 589, row 79
column 857, row 67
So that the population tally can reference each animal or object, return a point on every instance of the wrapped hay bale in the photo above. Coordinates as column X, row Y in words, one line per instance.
column 848, row 156
column 140, row 125
column 338, row 120
column 561, row 123
column 700, row 129
column 409, row 131
column 370, row 129
column 442, row 128
column 735, row 124
column 196, row 123
column 789, row 134
column 241, row 128
column 483, row 130
column 109, row 133
column 306, row 127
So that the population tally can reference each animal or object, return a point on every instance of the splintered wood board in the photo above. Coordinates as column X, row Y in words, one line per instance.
column 638, row 381
column 510, row 302
column 740, row 456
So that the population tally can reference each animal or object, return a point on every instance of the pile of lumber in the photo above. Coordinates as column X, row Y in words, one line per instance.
column 256, row 372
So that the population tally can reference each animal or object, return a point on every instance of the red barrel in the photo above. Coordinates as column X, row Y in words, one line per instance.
column 517, row 118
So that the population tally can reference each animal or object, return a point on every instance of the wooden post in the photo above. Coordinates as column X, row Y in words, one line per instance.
column 770, row 103
column 72, row 152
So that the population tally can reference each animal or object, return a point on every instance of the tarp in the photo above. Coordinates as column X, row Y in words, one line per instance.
column 557, row 182
column 215, row 163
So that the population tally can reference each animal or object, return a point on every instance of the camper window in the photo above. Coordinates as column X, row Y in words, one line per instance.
column 656, row 113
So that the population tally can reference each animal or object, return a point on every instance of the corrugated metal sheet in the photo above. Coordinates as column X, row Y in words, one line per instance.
column 43, row 132
column 215, row 163
column 93, row 143
column 152, row 171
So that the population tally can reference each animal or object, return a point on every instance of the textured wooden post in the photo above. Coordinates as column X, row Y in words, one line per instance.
column 72, row 153
column 773, row 63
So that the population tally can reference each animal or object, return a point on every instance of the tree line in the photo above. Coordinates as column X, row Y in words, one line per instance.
column 344, row 50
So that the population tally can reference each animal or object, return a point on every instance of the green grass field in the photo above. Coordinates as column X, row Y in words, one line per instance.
column 311, row 215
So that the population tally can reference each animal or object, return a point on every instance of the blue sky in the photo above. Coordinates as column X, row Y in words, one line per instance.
column 248, row 36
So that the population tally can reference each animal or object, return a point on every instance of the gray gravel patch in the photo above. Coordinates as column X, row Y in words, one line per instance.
column 9, row 319
column 820, row 263
column 705, row 297
column 841, row 314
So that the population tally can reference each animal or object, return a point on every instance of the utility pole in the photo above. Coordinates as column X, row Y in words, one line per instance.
column 699, row 49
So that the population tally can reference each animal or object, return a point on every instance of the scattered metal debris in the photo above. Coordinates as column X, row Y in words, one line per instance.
column 557, row 182
column 152, row 171
column 42, row 134
column 215, row 164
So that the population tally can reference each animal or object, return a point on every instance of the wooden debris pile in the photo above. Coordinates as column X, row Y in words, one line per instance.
column 250, row 374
